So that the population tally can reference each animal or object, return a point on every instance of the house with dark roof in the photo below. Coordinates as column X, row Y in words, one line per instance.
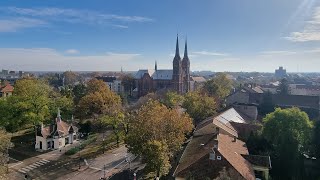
column 6, row 90
column 215, row 146
column 56, row 135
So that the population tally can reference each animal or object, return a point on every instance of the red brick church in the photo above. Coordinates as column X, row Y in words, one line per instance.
column 177, row 79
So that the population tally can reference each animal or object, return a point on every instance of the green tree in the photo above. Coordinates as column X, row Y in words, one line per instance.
column 199, row 106
column 78, row 91
column 5, row 144
column 117, row 123
column 156, row 134
column 172, row 99
column 289, row 132
column 283, row 87
column 218, row 87
column 33, row 95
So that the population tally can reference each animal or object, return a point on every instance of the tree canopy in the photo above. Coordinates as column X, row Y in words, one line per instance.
column 289, row 132
column 98, row 100
column 219, row 86
column 199, row 106
column 156, row 134
column 283, row 87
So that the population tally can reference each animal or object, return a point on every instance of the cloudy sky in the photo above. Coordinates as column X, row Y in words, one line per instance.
column 228, row 35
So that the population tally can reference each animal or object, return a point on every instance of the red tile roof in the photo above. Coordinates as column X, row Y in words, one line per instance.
column 7, row 88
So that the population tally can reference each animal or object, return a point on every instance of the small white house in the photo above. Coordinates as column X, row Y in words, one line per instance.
column 56, row 135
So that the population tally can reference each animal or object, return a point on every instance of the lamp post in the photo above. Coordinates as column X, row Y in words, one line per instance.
column 103, row 144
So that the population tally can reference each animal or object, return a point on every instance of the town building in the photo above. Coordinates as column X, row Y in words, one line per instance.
column 6, row 90
column 177, row 79
column 56, row 135
column 113, row 82
column 215, row 146
column 280, row 73
column 303, row 89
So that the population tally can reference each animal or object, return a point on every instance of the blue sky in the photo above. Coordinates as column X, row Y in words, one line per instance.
column 228, row 35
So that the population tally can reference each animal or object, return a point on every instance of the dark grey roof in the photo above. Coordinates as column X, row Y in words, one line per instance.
column 162, row 74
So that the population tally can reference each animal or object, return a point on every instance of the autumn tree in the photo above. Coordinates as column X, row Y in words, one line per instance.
column 218, row 87
column 156, row 134
column 289, row 132
column 199, row 106
column 70, row 78
column 98, row 100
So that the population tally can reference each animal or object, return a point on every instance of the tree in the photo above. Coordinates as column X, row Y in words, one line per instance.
column 218, row 87
column 156, row 134
column 128, row 83
column 172, row 99
column 5, row 144
column 33, row 97
column 98, row 100
column 70, row 78
column 198, row 106
column 78, row 91
column 283, row 87
column 316, row 141
column 289, row 132
column 117, row 123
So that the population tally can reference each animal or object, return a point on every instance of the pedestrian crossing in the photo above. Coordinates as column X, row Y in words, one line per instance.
column 33, row 166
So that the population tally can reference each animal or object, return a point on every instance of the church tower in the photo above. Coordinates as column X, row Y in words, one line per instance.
column 177, row 70
column 186, row 70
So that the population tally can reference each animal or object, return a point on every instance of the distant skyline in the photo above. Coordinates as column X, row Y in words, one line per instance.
column 101, row 35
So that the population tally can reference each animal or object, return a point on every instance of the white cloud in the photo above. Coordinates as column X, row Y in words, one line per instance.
column 278, row 52
column 120, row 26
column 207, row 53
column 311, row 31
column 15, row 24
column 46, row 59
column 72, row 51
column 74, row 15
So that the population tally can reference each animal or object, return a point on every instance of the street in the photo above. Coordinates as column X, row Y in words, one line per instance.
column 53, row 165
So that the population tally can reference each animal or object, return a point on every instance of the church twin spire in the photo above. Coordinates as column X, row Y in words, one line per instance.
column 185, row 49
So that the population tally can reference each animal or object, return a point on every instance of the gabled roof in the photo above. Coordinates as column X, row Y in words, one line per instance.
column 59, row 128
column 161, row 74
column 205, row 138
column 165, row 74
column 6, row 88
column 198, row 79
column 141, row 72
column 232, row 151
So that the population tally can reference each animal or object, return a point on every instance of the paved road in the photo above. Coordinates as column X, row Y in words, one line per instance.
column 53, row 165
column 107, row 164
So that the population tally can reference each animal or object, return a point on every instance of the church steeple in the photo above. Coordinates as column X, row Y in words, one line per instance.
column 177, row 48
column 185, row 50
column 155, row 66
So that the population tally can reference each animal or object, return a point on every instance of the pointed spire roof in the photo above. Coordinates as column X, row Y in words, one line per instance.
column 177, row 47
column 186, row 50
column 155, row 66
